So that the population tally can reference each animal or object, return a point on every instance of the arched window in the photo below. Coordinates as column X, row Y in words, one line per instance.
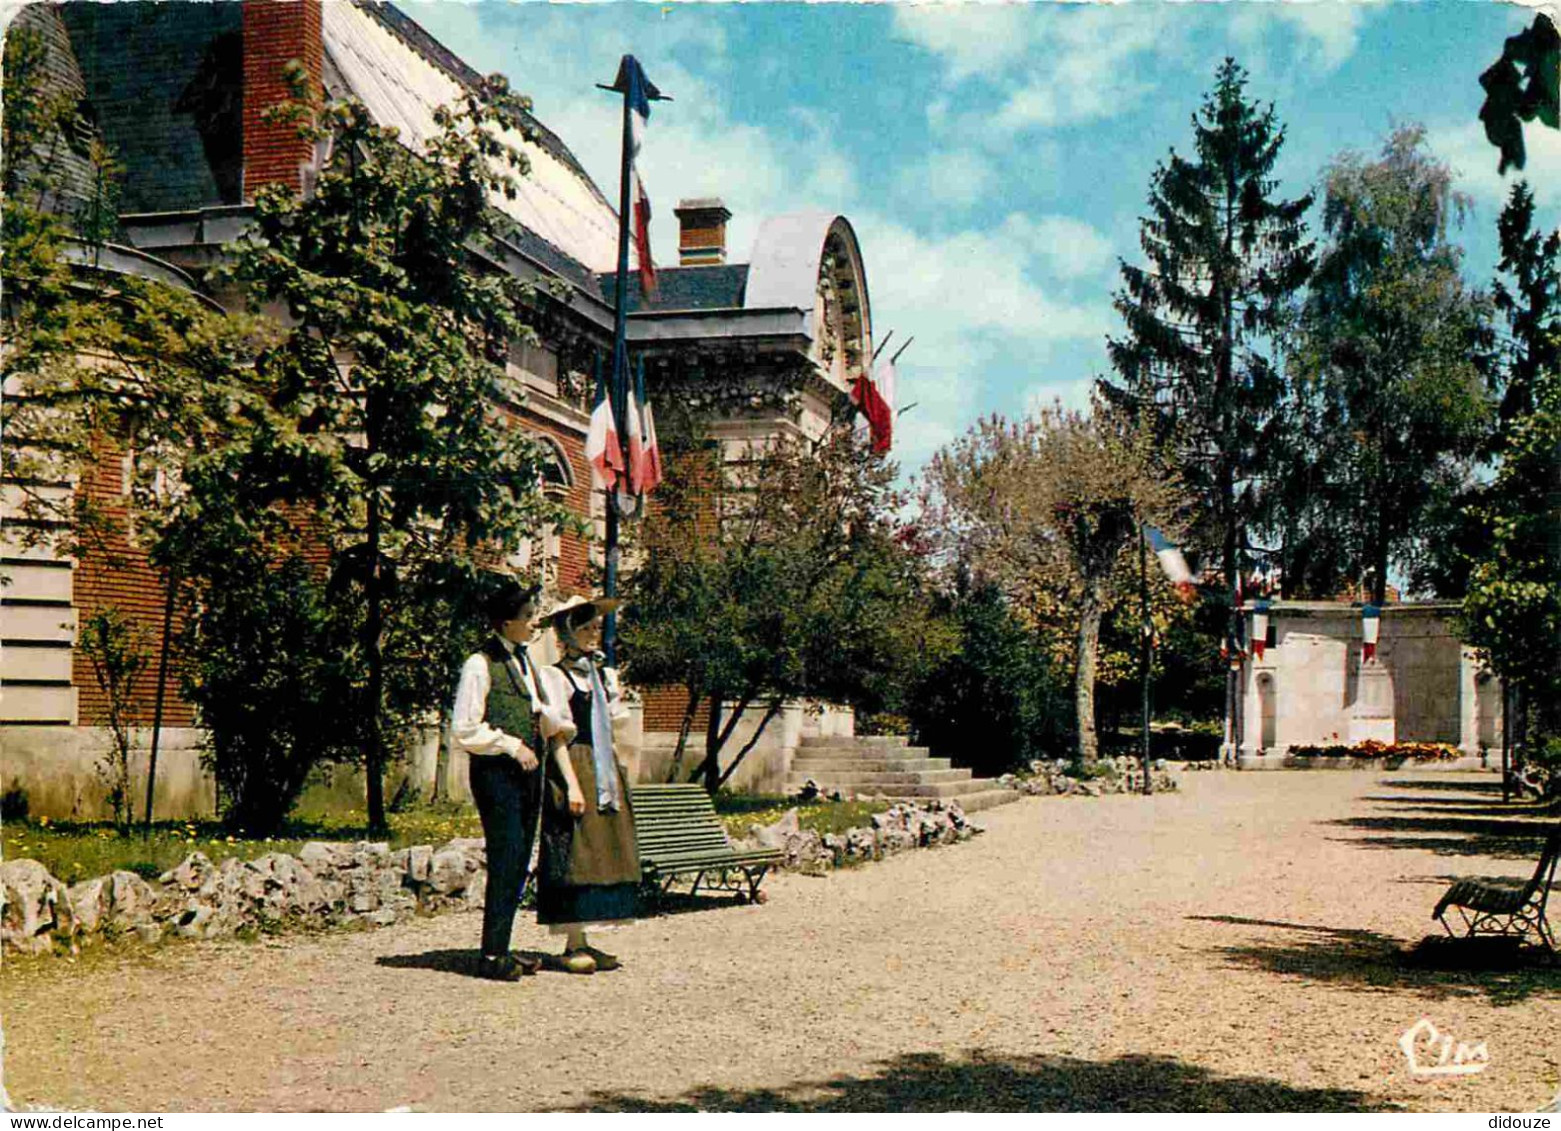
column 540, row 554
column 557, row 474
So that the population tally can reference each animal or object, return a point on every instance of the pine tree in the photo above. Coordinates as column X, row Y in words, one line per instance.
column 1225, row 258
column 1531, row 305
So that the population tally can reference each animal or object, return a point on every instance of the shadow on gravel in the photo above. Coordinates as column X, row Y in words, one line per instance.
column 1436, row 967
column 983, row 1081
column 1507, row 837
column 681, row 903
column 1450, row 786
column 462, row 962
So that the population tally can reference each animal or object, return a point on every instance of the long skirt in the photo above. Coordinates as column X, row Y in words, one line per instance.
column 589, row 872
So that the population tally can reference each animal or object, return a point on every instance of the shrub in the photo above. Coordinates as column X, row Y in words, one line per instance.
column 997, row 703
column 269, row 668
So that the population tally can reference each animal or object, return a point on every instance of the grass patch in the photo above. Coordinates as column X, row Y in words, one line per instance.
column 76, row 850
column 740, row 812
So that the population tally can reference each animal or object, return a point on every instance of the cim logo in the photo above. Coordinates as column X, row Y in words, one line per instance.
column 1434, row 1053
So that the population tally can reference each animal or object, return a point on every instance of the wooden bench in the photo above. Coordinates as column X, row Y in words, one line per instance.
column 679, row 834
column 1491, row 907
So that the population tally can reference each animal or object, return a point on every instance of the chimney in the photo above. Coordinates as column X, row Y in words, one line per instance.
column 275, row 33
column 702, row 232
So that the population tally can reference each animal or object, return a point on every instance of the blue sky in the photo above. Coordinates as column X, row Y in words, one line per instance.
column 994, row 159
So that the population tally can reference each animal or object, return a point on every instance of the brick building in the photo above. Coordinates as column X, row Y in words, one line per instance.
column 177, row 92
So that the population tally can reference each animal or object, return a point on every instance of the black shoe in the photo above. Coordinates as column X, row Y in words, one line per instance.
column 501, row 968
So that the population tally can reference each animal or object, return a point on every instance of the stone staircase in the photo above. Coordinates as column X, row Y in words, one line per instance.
column 889, row 765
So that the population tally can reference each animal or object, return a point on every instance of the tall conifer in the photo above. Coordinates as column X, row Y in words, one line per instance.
column 1225, row 257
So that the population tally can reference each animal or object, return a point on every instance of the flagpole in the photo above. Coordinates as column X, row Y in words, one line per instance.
column 617, row 381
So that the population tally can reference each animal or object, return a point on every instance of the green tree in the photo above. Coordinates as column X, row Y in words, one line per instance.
column 1394, row 404
column 394, row 313
column 1048, row 508
column 1226, row 257
column 775, row 578
column 116, row 648
column 1513, row 546
column 997, row 699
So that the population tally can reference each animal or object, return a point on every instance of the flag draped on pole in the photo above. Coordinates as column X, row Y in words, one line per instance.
column 641, row 92
column 874, row 396
column 644, row 452
column 603, row 451
column 1172, row 561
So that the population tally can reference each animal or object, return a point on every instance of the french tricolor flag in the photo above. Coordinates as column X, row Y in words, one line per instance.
column 641, row 93
column 644, row 452
column 874, row 396
column 1171, row 560
column 603, row 451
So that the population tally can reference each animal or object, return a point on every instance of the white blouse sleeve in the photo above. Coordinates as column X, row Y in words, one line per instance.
column 557, row 720
column 467, row 728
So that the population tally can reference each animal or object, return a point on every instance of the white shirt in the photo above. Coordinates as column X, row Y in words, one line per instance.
column 467, row 727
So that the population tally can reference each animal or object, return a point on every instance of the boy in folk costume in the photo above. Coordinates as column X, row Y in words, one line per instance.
column 589, row 873
column 498, row 720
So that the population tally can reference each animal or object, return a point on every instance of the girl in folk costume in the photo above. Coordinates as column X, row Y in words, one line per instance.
column 589, row 873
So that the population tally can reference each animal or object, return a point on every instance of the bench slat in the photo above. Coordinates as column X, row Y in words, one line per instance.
column 679, row 831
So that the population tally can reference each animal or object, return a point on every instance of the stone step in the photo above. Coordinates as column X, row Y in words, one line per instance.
column 874, row 740
column 860, row 782
column 987, row 798
column 874, row 752
column 943, row 789
column 813, row 766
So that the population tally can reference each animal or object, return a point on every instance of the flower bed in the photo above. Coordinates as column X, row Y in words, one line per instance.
column 1395, row 752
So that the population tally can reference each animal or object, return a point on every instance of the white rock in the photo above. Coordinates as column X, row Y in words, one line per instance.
column 36, row 907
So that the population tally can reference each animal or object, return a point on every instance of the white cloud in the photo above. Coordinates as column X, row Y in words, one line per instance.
column 970, row 39
column 1474, row 159
column 957, row 178
column 1320, row 35
column 1051, row 65
column 969, row 299
column 1071, row 248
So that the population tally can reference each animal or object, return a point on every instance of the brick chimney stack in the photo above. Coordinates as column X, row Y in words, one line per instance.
column 276, row 32
column 702, row 232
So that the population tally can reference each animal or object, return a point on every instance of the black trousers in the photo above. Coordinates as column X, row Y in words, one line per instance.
column 508, row 800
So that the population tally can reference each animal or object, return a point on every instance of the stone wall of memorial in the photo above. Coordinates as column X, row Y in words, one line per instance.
column 1313, row 686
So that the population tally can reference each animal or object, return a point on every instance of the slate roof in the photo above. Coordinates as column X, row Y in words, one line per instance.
column 153, row 76
column 684, row 288
column 164, row 83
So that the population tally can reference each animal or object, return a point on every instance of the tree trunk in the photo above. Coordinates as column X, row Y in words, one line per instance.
column 1084, row 673
column 1379, row 563
column 774, row 709
column 695, row 694
column 373, row 628
column 710, row 768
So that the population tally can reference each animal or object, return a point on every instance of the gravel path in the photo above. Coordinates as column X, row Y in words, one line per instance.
column 1236, row 946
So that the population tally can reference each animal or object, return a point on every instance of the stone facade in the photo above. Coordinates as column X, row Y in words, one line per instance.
column 1312, row 685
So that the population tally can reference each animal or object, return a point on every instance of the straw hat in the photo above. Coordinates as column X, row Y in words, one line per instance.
column 563, row 614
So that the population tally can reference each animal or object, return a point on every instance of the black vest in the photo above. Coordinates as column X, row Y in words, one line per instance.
column 509, row 705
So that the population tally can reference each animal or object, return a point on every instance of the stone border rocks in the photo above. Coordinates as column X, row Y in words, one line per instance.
column 360, row 885
column 325, row 885
column 901, row 827
column 1123, row 775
